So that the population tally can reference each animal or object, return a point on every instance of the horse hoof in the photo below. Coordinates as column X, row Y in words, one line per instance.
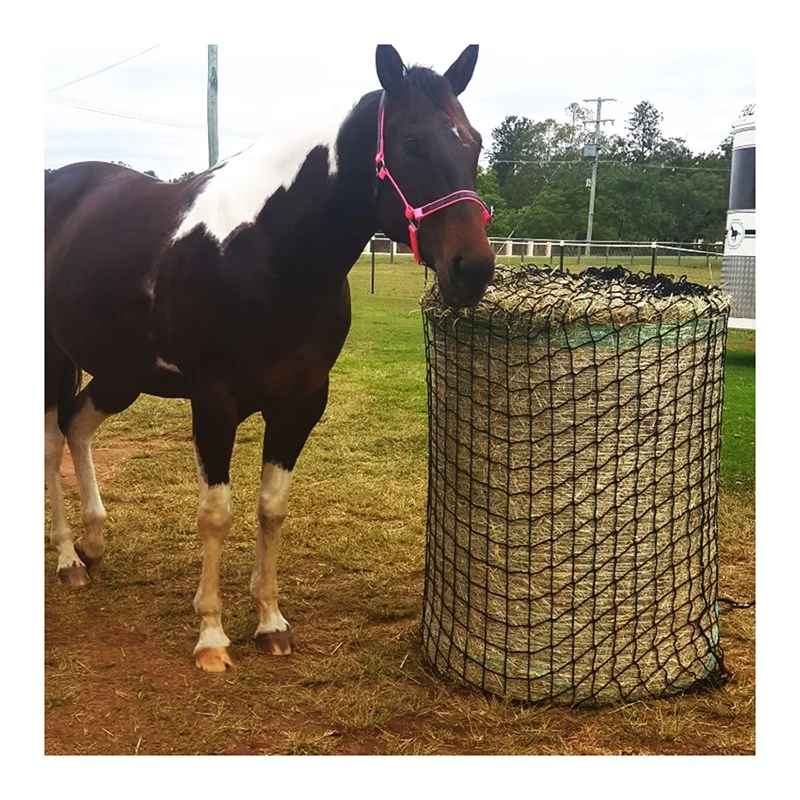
column 213, row 659
column 74, row 576
column 93, row 565
column 277, row 643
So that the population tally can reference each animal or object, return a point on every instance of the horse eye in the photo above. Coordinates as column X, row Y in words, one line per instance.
column 411, row 148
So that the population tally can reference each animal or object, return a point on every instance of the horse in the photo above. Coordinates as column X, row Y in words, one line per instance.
column 230, row 290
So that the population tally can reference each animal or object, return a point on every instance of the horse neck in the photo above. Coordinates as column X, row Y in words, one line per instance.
column 351, row 210
column 332, row 217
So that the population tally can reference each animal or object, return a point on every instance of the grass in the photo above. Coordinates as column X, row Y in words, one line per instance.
column 739, row 420
column 119, row 677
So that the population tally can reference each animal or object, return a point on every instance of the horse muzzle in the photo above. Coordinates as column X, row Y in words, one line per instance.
column 463, row 279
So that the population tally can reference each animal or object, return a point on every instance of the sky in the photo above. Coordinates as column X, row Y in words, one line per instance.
column 275, row 87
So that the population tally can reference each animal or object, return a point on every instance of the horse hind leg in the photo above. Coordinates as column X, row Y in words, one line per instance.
column 95, row 403
column 61, row 376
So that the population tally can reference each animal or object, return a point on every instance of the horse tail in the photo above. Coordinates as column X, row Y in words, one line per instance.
column 69, row 384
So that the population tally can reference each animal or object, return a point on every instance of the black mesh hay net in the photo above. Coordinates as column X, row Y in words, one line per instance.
column 574, row 443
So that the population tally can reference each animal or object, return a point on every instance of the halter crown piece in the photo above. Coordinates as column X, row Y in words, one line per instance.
column 416, row 215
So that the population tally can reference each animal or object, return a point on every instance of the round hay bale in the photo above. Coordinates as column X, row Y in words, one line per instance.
column 574, row 442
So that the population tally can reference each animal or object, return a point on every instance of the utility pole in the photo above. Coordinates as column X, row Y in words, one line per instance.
column 592, row 148
column 213, row 125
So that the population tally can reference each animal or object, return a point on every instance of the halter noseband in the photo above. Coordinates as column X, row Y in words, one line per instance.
column 416, row 215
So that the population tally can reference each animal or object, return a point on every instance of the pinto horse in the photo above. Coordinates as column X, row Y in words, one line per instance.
column 230, row 289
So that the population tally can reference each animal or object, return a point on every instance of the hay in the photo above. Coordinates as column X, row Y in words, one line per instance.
column 572, row 504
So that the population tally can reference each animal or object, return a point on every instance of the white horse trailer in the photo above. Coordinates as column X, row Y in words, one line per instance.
column 739, row 256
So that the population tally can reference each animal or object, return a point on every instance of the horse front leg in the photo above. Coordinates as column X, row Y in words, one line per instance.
column 287, row 427
column 214, row 430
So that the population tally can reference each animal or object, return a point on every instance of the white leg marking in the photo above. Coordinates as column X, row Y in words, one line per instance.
column 213, row 523
column 79, row 437
column 272, row 507
column 61, row 538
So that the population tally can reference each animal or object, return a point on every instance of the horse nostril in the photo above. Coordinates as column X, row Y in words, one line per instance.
column 455, row 269
column 470, row 275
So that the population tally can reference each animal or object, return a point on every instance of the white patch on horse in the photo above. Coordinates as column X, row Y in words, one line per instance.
column 273, row 503
column 463, row 135
column 239, row 186
column 161, row 364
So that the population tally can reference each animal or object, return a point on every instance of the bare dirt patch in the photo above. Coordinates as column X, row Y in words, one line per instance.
column 108, row 456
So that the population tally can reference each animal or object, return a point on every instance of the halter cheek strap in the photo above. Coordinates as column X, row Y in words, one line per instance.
column 416, row 215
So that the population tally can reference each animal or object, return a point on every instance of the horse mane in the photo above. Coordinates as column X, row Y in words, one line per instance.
column 435, row 87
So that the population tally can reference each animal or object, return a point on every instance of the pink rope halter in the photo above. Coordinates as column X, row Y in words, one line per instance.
column 416, row 215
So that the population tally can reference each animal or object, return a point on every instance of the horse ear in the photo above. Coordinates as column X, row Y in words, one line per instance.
column 390, row 67
column 462, row 68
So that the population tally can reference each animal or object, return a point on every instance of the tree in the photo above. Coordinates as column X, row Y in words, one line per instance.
column 644, row 131
column 487, row 188
column 510, row 142
column 725, row 147
column 184, row 177
column 151, row 173
column 673, row 153
column 539, row 144
column 578, row 115
column 633, row 210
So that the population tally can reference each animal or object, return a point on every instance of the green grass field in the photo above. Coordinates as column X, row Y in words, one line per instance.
column 118, row 667
column 388, row 328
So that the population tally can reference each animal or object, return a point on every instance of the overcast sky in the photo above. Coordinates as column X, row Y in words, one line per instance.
column 699, row 87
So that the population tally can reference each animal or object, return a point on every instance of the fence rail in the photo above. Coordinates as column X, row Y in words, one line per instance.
column 695, row 257
column 573, row 250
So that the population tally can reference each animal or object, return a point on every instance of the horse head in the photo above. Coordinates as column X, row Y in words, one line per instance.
column 427, row 160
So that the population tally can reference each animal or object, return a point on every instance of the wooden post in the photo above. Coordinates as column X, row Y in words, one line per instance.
column 213, row 124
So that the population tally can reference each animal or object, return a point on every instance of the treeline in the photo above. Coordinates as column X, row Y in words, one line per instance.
column 150, row 172
column 648, row 186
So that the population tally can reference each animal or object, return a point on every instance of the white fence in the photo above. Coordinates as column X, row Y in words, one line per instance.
column 526, row 248
column 600, row 251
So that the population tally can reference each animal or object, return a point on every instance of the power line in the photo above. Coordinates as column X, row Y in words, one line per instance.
column 539, row 163
column 104, row 69
column 143, row 117
column 665, row 166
